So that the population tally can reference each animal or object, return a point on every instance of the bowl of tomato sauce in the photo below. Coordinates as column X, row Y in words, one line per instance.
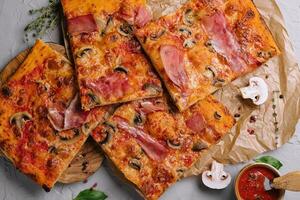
column 249, row 184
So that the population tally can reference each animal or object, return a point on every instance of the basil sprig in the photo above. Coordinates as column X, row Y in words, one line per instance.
column 91, row 194
column 270, row 160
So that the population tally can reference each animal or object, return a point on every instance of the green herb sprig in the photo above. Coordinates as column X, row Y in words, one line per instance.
column 47, row 19
column 91, row 194
column 270, row 160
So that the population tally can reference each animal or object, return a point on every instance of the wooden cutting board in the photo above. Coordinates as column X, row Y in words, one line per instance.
column 89, row 158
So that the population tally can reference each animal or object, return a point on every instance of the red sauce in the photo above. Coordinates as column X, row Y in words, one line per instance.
column 251, row 184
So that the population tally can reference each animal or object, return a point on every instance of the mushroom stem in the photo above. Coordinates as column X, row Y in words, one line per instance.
column 216, row 178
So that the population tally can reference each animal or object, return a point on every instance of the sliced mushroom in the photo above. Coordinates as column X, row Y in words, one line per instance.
column 109, row 130
column 43, row 85
column 53, row 150
column 264, row 54
column 107, row 25
column 199, row 146
column 152, row 87
column 186, row 32
column 174, row 144
column 95, row 99
column 84, row 52
column 209, row 45
column 218, row 82
column 257, row 91
column 88, row 127
column 155, row 36
column 216, row 178
column 189, row 43
column 180, row 172
column 68, row 135
column 139, row 119
column 121, row 69
column 135, row 164
column 209, row 73
column 189, row 18
column 19, row 119
column 217, row 116
column 125, row 29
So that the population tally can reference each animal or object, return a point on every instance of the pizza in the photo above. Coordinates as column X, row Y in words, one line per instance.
column 206, row 44
column 110, row 65
column 42, row 126
column 153, row 144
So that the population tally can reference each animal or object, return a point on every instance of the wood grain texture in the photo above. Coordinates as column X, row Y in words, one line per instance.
column 89, row 158
column 290, row 181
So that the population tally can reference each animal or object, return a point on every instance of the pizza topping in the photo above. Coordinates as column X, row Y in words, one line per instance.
column 19, row 119
column 82, row 24
column 95, row 100
column 113, row 85
column 72, row 117
column 56, row 118
column 125, row 29
column 139, row 118
column 152, row 87
column 217, row 116
column 198, row 146
column 209, row 73
column 142, row 17
column 173, row 62
column 184, row 31
column 6, row 91
column 189, row 43
column 224, row 41
column 135, row 164
column 68, row 135
column 121, row 69
column 188, row 18
column 158, row 34
column 85, row 51
column 196, row 123
column 108, row 131
column 150, row 107
column 153, row 149
column 174, row 144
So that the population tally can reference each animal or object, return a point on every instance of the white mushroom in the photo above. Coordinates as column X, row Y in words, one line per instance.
column 216, row 178
column 257, row 91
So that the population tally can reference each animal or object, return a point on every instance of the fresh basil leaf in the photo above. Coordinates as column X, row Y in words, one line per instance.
column 270, row 160
column 91, row 194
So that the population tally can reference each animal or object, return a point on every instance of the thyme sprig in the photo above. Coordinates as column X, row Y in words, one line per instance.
column 47, row 19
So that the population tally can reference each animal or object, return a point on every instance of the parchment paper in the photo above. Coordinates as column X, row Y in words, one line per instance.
column 258, row 128
column 267, row 127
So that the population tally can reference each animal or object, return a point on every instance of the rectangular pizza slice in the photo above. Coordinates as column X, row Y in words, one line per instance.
column 206, row 44
column 110, row 65
column 42, row 126
column 153, row 144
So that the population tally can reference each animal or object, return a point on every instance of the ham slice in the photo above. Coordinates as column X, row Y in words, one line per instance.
column 56, row 118
column 149, row 107
column 196, row 123
column 82, row 24
column 72, row 117
column 142, row 17
column 173, row 62
column 153, row 149
column 224, row 40
column 114, row 85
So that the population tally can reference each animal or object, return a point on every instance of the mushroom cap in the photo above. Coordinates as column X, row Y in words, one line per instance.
column 257, row 91
column 216, row 178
